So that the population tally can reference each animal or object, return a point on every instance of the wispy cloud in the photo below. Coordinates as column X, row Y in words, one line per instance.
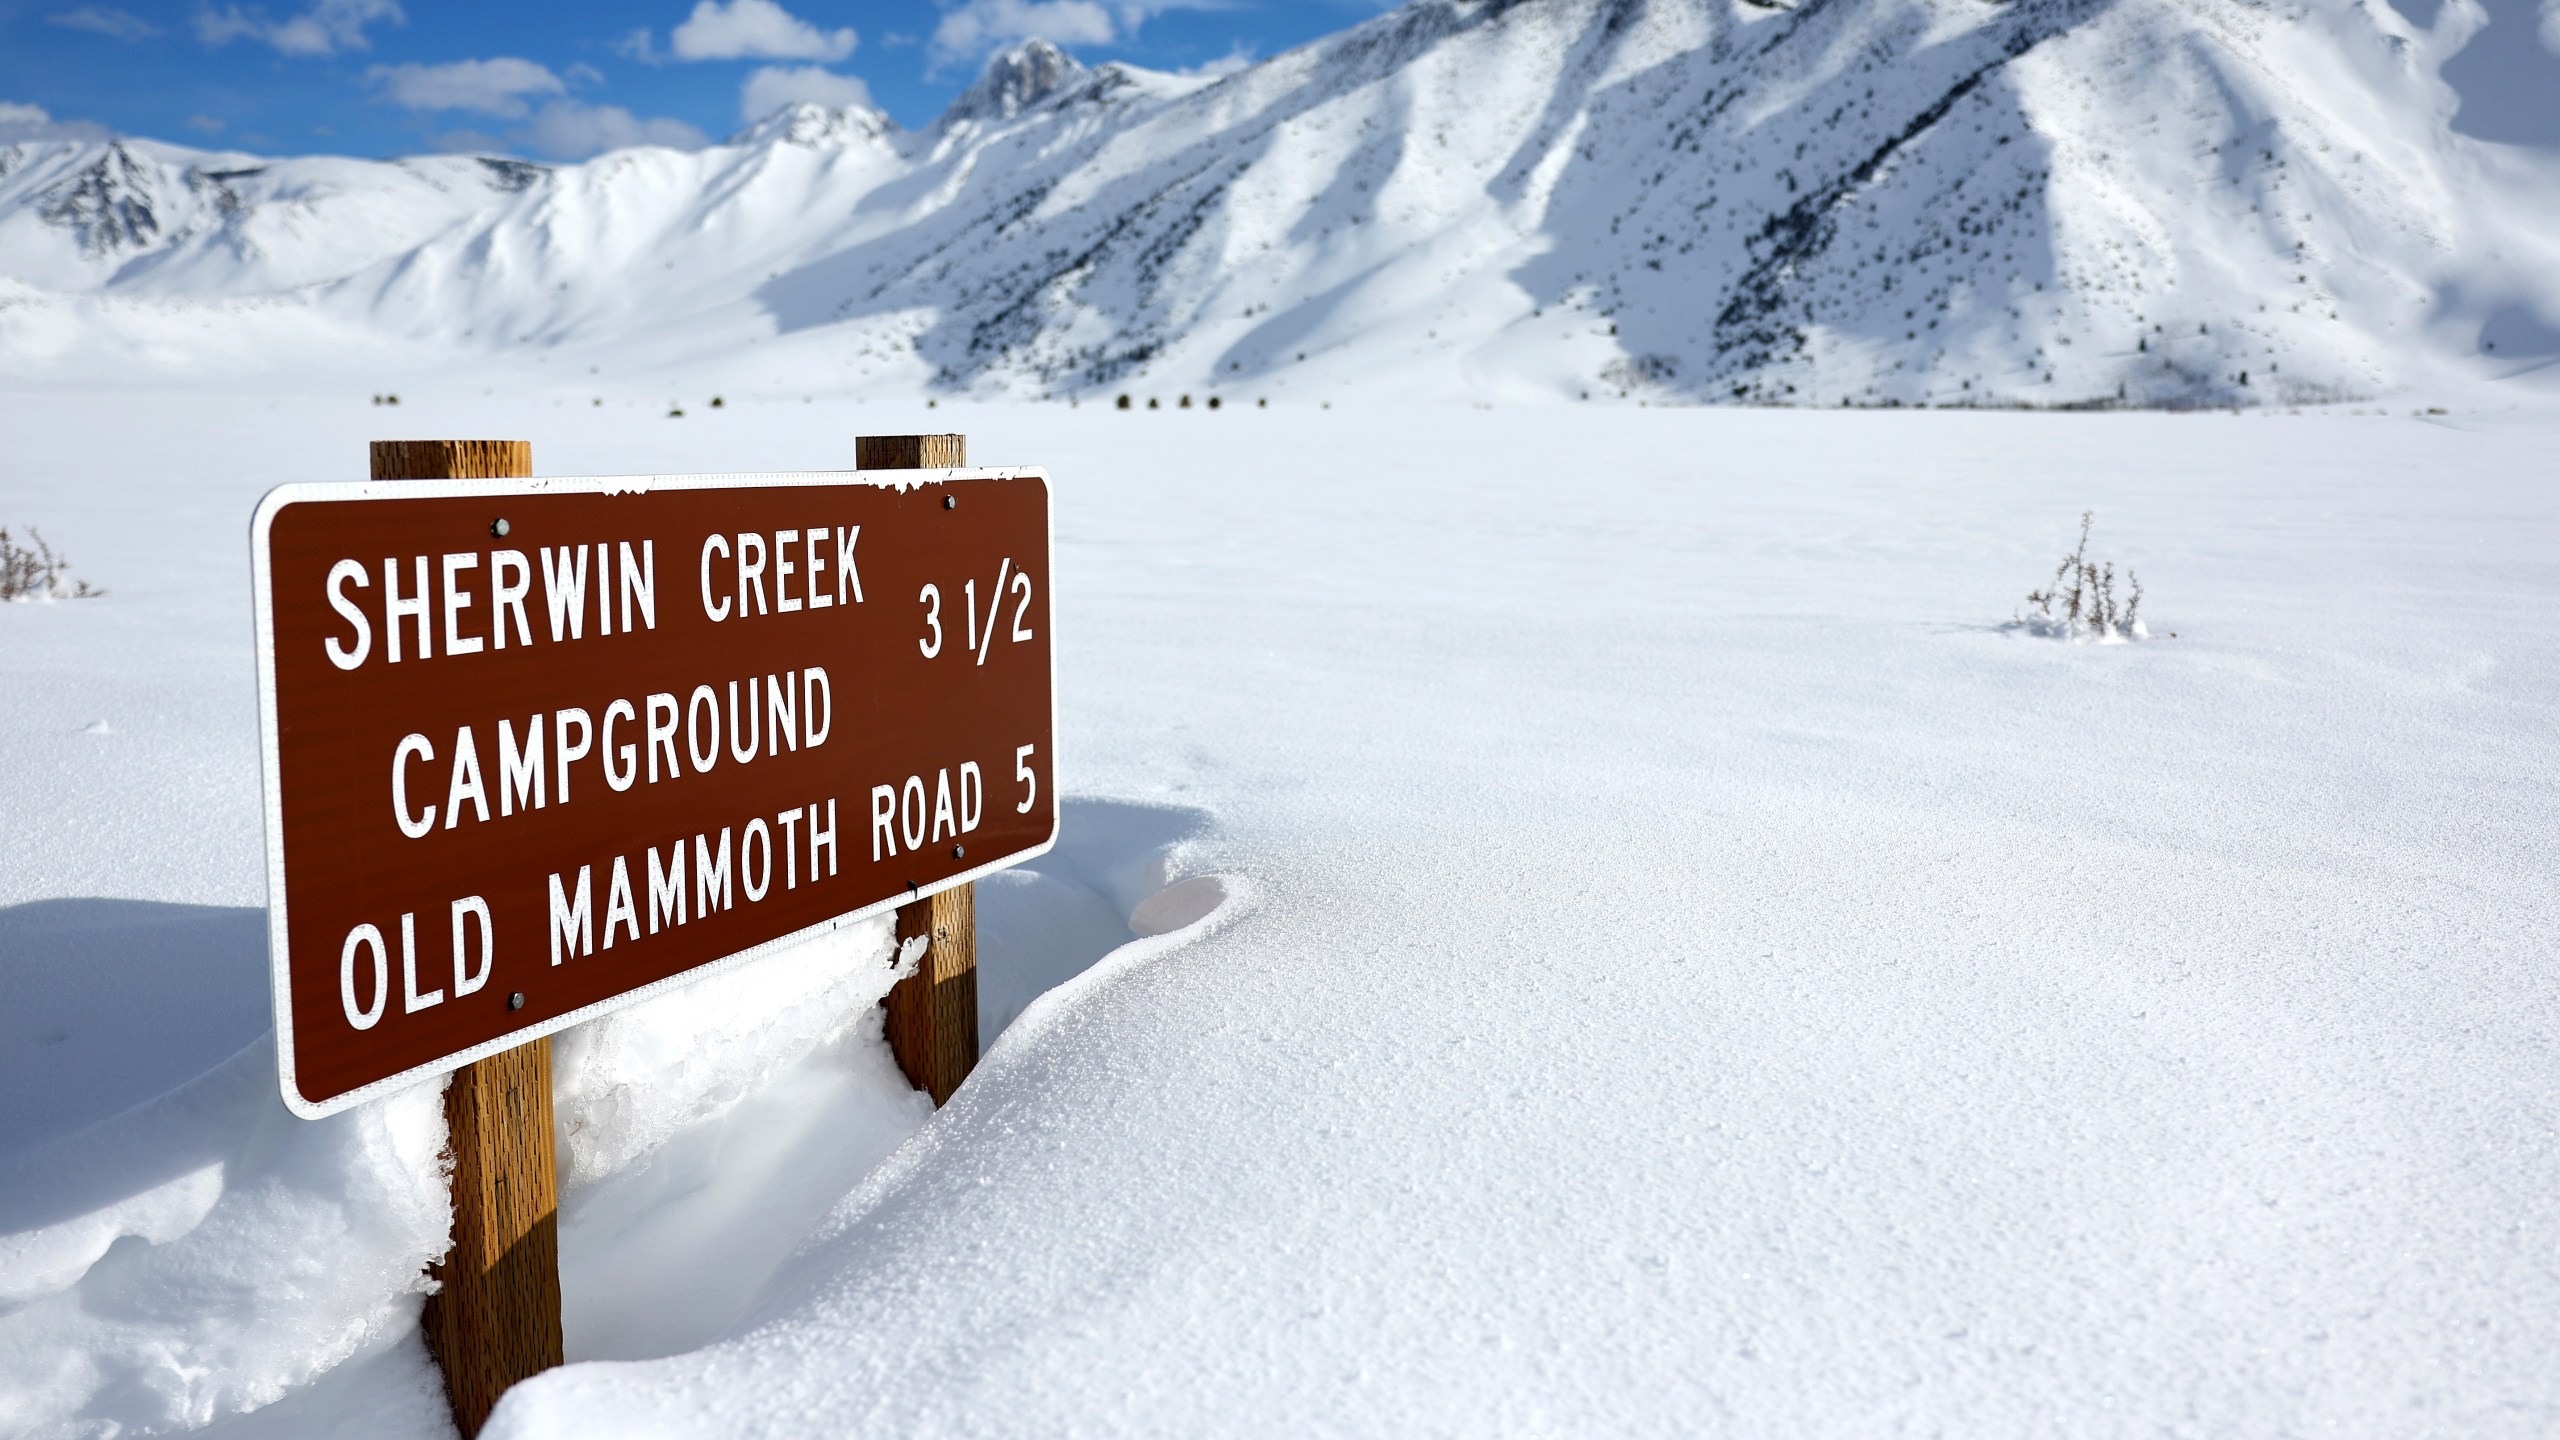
column 973, row 29
column 491, row 87
column 773, row 86
column 554, row 124
column 327, row 27
column 574, row 130
column 977, row 28
column 104, row 20
column 32, row 122
column 740, row 30
column 1239, row 58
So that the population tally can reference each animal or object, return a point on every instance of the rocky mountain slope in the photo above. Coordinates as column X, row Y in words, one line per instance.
column 2042, row 202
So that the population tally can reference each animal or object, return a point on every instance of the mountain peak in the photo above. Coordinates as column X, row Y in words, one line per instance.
column 815, row 127
column 1016, row 80
column 113, row 204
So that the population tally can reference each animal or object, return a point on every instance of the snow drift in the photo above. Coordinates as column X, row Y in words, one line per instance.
column 1696, row 963
column 178, row 1252
column 2047, row 202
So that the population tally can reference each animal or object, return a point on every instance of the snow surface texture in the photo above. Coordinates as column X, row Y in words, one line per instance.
column 1637, row 948
column 2042, row 203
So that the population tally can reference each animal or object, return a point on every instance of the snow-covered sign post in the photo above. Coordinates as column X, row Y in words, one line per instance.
column 536, row 749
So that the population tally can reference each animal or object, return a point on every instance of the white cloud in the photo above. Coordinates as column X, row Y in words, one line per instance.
column 328, row 27
column 105, row 20
column 492, row 87
column 774, row 86
column 204, row 123
column 30, row 122
column 1239, row 58
column 2550, row 31
column 971, row 30
column 574, row 130
column 753, row 30
column 977, row 28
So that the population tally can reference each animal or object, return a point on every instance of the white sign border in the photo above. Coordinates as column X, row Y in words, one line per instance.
column 269, row 754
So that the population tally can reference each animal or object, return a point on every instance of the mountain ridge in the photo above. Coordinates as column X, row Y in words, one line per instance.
column 2043, row 202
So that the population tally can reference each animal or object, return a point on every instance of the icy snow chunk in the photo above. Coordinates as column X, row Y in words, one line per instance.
column 627, row 1082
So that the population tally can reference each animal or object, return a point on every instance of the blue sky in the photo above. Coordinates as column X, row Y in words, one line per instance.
column 560, row 79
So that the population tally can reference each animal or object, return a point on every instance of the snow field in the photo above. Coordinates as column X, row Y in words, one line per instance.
column 1640, row 948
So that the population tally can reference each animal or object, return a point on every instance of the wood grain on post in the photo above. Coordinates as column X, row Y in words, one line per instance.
column 933, row 1014
column 452, row 459
column 496, row 1317
column 910, row 452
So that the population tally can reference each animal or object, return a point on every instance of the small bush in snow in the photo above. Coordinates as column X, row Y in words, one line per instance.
column 2079, row 603
column 34, row 572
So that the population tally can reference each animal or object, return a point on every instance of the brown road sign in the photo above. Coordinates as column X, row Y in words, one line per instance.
column 537, row 748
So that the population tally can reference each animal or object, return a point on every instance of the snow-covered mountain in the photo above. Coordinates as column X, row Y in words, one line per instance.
column 2050, row 202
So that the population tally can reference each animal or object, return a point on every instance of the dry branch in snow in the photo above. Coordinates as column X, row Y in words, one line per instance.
column 2080, row 601
column 34, row 572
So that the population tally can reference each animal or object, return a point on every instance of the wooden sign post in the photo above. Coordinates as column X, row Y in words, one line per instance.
column 933, row 1014
column 537, row 749
column 495, row 1318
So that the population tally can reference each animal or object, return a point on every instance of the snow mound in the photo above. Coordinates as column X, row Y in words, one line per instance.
column 176, row 1248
